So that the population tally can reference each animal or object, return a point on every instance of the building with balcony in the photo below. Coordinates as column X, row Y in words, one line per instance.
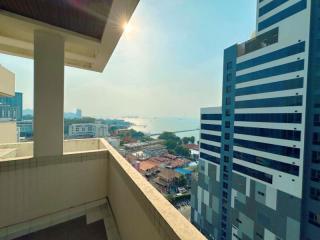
column 88, row 130
column 259, row 155
column 77, row 189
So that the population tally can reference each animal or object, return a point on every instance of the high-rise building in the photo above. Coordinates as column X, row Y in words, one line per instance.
column 11, row 107
column 78, row 113
column 259, row 170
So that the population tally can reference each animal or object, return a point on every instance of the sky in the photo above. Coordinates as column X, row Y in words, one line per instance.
column 169, row 65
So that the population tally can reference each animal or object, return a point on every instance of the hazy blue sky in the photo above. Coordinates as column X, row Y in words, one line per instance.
column 169, row 65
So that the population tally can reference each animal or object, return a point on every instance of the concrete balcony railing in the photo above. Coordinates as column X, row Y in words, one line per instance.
column 37, row 193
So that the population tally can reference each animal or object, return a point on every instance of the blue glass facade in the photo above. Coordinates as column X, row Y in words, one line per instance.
column 276, row 55
column 269, row 147
column 272, row 71
column 270, row 6
column 270, row 102
column 269, row 117
column 14, row 106
column 288, row 12
column 269, row 133
column 271, row 87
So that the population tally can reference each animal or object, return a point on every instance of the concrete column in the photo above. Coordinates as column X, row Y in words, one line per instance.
column 48, row 94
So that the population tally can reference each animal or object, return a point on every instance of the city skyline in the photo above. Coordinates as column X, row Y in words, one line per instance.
column 159, row 54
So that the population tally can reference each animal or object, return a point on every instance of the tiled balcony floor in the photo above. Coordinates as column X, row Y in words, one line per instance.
column 76, row 229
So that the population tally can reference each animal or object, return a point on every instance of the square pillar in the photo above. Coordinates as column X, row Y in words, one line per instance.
column 48, row 94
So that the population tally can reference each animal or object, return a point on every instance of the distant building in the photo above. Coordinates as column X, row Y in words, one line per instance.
column 8, row 128
column 138, row 146
column 88, row 130
column 25, row 128
column 78, row 113
column 148, row 167
column 114, row 141
column 166, row 180
column 11, row 107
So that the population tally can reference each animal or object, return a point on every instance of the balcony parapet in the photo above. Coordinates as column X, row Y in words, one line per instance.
column 34, row 190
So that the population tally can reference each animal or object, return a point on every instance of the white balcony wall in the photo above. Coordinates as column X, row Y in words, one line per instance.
column 7, row 82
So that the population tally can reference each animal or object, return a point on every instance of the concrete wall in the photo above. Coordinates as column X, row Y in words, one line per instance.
column 33, row 188
column 7, row 83
column 8, row 132
column 36, row 193
column 140, row 211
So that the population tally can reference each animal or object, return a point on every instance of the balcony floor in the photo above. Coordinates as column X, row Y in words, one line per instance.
column 76, row 229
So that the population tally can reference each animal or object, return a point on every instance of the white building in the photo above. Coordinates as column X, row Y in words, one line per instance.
column 87, row 130
column 8, row 128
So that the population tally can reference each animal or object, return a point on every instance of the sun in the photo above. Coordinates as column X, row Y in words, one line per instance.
column 127, row 27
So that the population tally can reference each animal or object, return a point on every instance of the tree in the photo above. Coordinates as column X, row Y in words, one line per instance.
column 192, row 139
column 185, row 140
column 182, row 151
column 182, row 181
column 171, row 145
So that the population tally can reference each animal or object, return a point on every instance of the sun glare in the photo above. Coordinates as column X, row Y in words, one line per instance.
column 127, row 28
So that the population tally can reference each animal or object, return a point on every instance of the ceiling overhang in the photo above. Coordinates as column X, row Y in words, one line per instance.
column 91, row 28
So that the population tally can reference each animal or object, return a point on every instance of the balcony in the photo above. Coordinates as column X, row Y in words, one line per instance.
column 259, row 42
column 88, row 179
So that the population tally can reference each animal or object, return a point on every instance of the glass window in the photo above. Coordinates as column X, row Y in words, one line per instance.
column 209, row 137
column 314, row 218
column 227, row 112
column 211, row 127
column 315, row 157
column 226, row 147
column 225, row 185
column 271, row 87
column 272, row 71
column 211, row 117
column 270, row 6
column 226, row 159
column 253, row 173
column 227, row 124
column 277, row 165
column 209, row 158
column 270, row 117
column 270, row 133
column 316, row 139
column 272, row 56
column 315, row 175
column 227, row 136
column 316, row 120
column 228, row 100
column 287, row 12
column 229, row 65
column 228, row 89
column 210, row 148
column 229, row 77
column 266, row 147
column 315, row 193
column 270, row 102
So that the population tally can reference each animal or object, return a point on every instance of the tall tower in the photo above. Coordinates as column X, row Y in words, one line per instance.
column 269, row 159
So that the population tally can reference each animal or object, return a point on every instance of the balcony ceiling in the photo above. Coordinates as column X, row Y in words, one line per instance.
column 91, row 28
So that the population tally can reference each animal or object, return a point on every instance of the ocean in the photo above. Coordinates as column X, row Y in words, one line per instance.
column 172, row 124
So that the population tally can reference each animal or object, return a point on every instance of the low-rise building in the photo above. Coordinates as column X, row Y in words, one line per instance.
column 137, row 146
column 166, row 180
column 88, row 130
column 148, row 167
column 25, row 129
column 114, row 141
